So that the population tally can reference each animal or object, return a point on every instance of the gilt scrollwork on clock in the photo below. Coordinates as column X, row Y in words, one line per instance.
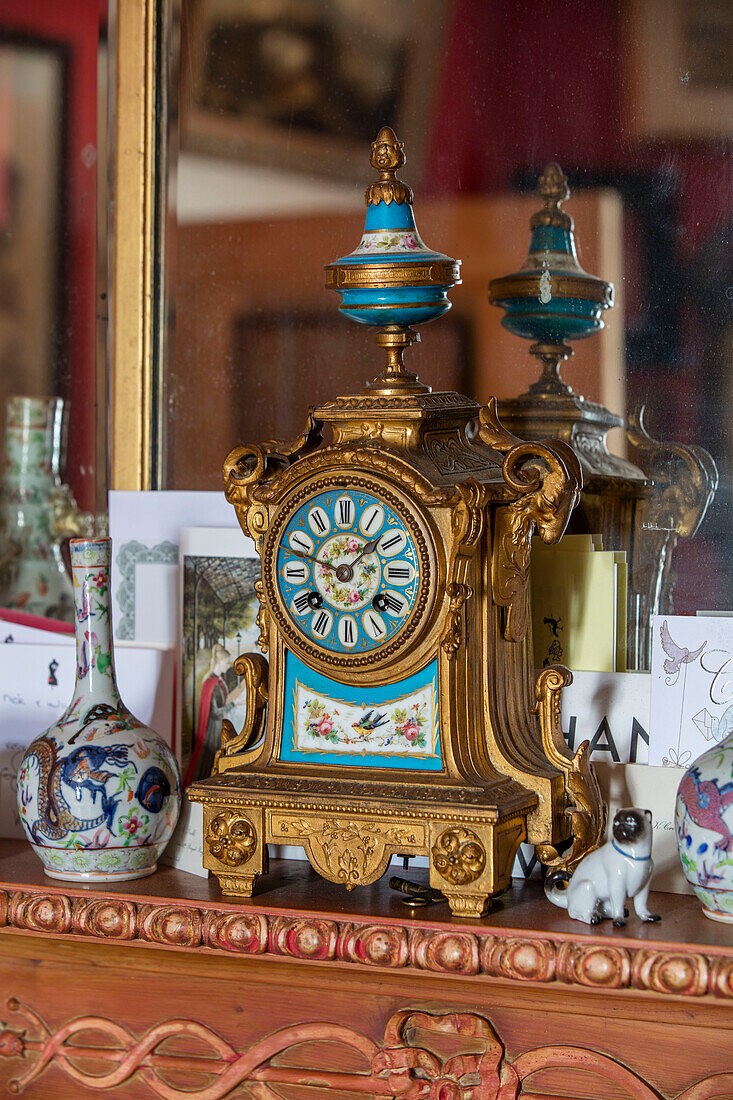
column 459, row 856
column 454, row 634
column 492, row 432
column 467, row 526
column 348, row 851
column 584, row 805
column 366, row 456
column 251, row 463
column 546, row 479
column 253, row 669
column 451, row 454
column 231, row 838
column 263, row 617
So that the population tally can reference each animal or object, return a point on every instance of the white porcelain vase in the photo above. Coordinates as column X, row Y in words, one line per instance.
column 704, row 826
column 99, row 792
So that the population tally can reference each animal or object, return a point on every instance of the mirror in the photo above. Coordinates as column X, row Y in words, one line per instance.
column 53, row 263
column 270, row 114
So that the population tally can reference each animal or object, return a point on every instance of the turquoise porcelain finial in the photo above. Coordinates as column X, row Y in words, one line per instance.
column 392, row 277
column 551, row 299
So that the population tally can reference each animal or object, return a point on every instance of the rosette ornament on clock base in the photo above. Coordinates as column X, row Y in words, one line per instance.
column 398, row 712
column 98, row 792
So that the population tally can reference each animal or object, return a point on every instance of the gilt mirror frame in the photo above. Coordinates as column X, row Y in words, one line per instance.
column 140, row 32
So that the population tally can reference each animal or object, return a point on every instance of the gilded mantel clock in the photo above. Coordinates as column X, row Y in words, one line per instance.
column 398, row 713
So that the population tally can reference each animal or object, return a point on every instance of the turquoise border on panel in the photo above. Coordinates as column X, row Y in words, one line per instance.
column 295, row 670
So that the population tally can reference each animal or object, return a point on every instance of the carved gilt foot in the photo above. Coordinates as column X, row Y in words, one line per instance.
column 240, row 886
column 467, row 904
column 234, row 848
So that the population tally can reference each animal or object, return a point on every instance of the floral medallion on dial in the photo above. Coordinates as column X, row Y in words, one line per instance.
column 350, row 568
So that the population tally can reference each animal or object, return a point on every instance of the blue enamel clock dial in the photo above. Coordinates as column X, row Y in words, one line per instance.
column 348, row 571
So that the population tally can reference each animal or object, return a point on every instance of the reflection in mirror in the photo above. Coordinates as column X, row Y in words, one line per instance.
column 52, row 65
column 628, row 98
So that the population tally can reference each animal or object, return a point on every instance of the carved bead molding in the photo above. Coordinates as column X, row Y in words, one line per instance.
column 460, row 1057
column 601, row 965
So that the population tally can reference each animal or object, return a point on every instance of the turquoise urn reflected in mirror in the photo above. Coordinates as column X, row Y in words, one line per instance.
column 551, row 299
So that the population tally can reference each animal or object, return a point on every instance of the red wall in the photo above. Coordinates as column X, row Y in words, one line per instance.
column 74, row 24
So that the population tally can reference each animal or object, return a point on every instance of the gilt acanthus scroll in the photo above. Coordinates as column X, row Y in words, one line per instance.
column 584, row 804
column 547, row 479
column 468, row 520
column 253, row 669
column 250, row 464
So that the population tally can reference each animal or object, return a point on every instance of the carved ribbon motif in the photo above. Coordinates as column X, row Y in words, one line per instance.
column 547, row 479
column 398, row 1067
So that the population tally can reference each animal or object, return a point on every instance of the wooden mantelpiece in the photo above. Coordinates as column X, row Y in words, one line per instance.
column 160, row 988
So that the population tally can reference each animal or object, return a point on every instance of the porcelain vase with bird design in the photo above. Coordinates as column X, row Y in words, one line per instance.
column 99, row 792
column 704, row 827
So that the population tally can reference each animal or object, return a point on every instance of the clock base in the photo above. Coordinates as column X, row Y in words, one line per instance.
column 470, row 836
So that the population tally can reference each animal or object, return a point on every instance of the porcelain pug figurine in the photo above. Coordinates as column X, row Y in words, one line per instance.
column 620, row 868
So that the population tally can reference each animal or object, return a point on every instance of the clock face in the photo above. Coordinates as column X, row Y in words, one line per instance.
column 350, row 569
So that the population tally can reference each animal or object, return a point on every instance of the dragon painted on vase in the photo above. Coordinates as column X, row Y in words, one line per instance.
column 81, row 770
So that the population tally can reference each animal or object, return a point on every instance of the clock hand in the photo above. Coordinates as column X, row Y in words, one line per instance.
column 367, row 548
column 345, row 571
column 300, row 554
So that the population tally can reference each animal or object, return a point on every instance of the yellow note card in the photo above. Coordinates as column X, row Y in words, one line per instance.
column 622, row 587
column 575, row 609
column 569, row 542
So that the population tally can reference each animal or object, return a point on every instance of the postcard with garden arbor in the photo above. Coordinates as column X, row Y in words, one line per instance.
column 219, row 622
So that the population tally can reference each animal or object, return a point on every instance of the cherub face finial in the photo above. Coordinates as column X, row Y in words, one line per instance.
column 553, row 188
column 553, row 185
column 387, row 156
column 387, row 153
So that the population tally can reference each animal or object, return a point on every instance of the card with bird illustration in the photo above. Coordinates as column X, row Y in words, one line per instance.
column 691, row 686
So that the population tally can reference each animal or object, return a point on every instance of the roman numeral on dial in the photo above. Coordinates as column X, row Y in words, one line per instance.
column 371, row 521
column 319, row 522
column 321, row 623
column 348, row 631
column 374, row 625
column 296, row 572
column 399, row 572
column 300, row 542
column 300, row 603
column 344, row 512
column 392, row 542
